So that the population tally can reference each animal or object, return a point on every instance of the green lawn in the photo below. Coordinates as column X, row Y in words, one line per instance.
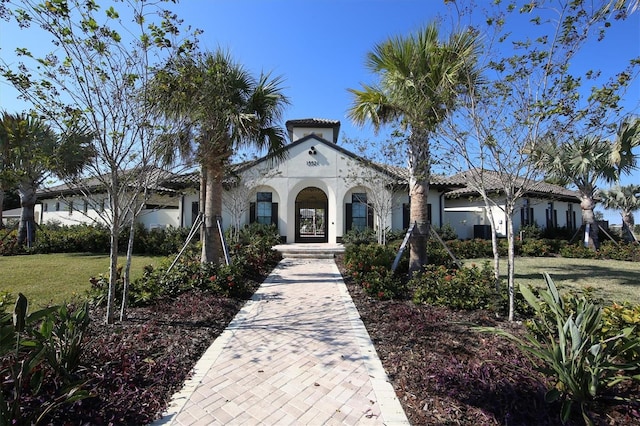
column 55, row 278
column 613, row 280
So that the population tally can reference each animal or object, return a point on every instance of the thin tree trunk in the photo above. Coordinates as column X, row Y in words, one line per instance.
column 113, row 253
column 511, row 285
column 126, row 274
column 494, row 246
column 113, row 271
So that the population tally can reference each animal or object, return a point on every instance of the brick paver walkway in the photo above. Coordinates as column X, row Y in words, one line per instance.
column 296, row 354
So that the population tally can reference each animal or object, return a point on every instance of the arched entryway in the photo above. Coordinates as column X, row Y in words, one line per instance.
column 311, row 216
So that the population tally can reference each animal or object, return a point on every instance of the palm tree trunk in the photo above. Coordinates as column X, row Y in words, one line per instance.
column 1, row 208
column 419, row 164
column 203, row 197
column 587, row 204
column 26, row 230
column 628, row 224
column 212, row 211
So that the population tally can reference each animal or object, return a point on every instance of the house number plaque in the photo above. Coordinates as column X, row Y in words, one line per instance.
column 312, row 163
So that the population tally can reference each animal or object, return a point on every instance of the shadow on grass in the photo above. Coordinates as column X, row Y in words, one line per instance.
column 578, row 273
column 87, row 254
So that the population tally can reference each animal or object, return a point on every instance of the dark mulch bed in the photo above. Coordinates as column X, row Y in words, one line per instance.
column 134, row 367
column 443, row 372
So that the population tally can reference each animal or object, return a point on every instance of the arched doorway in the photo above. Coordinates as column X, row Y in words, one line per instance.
column 311, row 216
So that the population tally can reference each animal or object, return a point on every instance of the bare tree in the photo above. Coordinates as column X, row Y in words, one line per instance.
column 377, row 170
column 96, row 74
column 238, row 192
column 530, row 91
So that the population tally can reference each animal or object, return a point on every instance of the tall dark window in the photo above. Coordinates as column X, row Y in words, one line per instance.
column 571, row 217
column 263, row 207
column 70, row 207
column 359, row 210
column 552, row 216
column 195, row 210
column 526, row 214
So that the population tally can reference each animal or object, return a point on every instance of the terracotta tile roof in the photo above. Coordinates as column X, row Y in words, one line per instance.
column 157, row 178
column 492, row 182
column 311, row 122
column 403, row 176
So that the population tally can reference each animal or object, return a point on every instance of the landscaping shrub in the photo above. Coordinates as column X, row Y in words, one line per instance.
column 83, row 238
column 61, row 334
column 251, row 257
column 361, row 258
column 618, row 317
column 465, row 288
column 6, row 299
column 382, row 283
column 80, row 238
column 446, row 232
column 559, row 233
column 9, row 243
column 437, row 255
column 537, row 248
column 621, row 251
column 35, row 347
column 157, row 241
column 565, row 337
column 577, row 251
column 370, row 266
column 359, row 236
column 471, row 249
column 530, row 232
column 229, row 281
column 608, row 250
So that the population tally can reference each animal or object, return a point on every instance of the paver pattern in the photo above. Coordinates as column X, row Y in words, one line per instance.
column 296, row 354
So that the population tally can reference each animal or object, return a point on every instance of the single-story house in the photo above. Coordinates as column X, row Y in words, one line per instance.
column 320, row 192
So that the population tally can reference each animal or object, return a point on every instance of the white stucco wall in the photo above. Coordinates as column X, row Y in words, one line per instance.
column 63, row 216
column 463, row 213
column 313, row 163
column 159, row 218
column 150, row 218
column 323, row 132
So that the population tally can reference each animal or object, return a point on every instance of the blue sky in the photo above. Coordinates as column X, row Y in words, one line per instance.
column 319, row 47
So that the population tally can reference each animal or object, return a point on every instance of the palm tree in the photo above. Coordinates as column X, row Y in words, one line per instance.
column 217, row 106
column 586, row 161
column 34, row 152
column 7, row 175
column 420, row 80
column 627, row 200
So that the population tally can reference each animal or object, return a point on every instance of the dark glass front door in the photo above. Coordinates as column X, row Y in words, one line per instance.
column 311, row 216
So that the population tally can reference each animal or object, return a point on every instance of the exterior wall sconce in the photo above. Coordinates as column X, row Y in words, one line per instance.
column 312, row 150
